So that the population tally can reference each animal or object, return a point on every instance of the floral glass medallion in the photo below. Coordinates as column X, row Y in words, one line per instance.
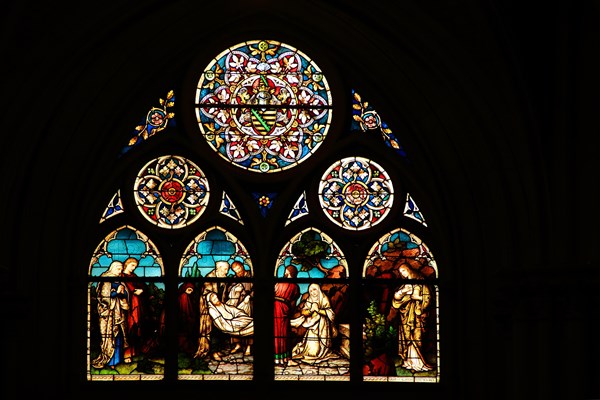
column 263, row 106
column 356, row 193
column 171, row 191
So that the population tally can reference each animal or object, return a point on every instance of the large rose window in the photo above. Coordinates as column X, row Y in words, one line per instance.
column 263, row 106
column 356, row 193
column 171, row 191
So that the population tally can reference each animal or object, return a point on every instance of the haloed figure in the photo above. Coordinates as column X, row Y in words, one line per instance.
column 112, row 306
column 411, row 301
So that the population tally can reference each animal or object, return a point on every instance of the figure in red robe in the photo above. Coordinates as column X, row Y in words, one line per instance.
column 135, row 314
column 187, row 319
column 286, row 295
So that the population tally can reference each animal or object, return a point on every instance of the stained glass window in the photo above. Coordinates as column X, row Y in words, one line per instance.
column 401, row 311
column 411, row 210
column 229, row 209
column 215, row 323
column 115, row 206
column 171, row 191
column 311, row 315
column 300, row 209
column 263, row 105
column 185, row 286
column 156, row 120
column 356, row 193
column 264, row 201
column 366, row 119
column 126, row 295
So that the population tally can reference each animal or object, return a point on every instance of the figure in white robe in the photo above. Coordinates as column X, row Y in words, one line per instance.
column 319, row 320
column 112, row 306
column 229, row 319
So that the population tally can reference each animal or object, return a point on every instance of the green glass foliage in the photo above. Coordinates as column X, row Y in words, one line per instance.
column 380, row 337
column 309, row 250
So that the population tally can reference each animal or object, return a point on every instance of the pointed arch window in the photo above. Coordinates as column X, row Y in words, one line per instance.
column 215, row 302
column 334, row 249
column 311, row 325
column 401, row 323
column 125, row 272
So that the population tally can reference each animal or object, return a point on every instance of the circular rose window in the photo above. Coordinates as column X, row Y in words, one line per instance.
column 356, row 193
column 171, row 192
column 263, row 105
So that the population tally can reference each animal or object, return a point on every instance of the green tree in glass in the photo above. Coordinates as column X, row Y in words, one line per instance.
column 379, row 343
column 193, row 272
column 309, row 251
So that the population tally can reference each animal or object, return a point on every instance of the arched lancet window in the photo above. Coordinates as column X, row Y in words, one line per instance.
column 214, row 314
column 281, row 232
column 311, row 324
column 400, row 328
column 126, row 273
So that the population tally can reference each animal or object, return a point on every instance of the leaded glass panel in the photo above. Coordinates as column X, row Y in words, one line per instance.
column 215, row 325
column 125, row 309
column 171, row 191
column 400, row 311
column 263, row 105
column 311, row 316
column 356, row 193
